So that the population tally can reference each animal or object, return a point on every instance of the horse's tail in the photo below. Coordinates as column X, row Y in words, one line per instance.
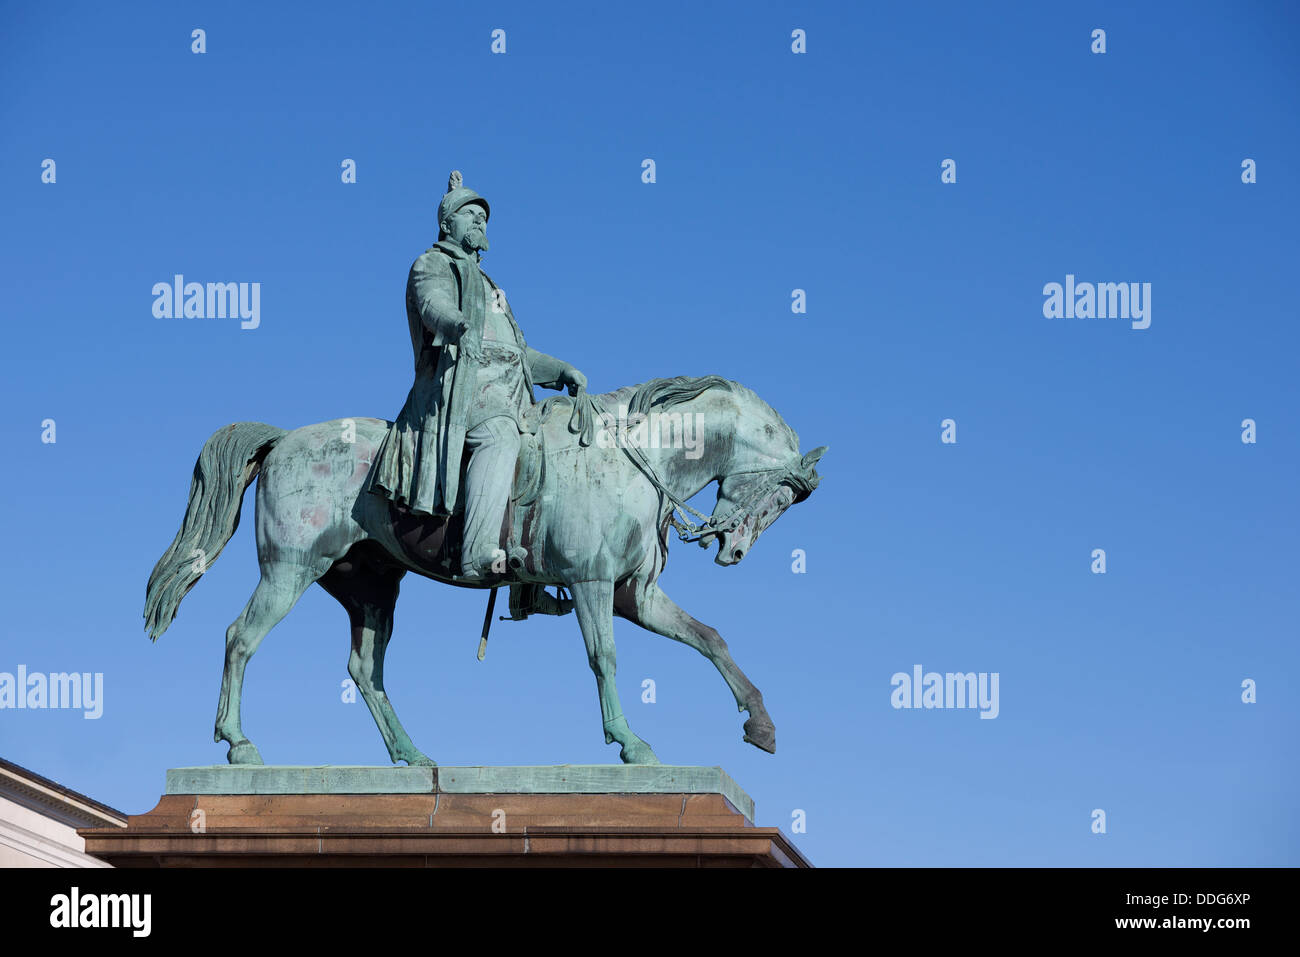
column 229, row 462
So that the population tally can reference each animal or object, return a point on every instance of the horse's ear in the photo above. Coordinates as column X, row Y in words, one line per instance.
column 811, row 459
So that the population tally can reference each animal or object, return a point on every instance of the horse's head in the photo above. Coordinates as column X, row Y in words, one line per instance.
column 750, row 501
column 752, row 454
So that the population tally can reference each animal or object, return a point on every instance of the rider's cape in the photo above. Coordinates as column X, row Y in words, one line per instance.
column 419, row 461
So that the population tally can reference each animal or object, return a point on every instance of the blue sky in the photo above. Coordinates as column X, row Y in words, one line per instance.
column 775, row 171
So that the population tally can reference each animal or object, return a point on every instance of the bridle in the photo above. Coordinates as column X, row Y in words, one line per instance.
column 688, row 531
column 796, row 476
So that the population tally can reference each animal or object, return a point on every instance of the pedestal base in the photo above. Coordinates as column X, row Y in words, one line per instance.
column 569, row 815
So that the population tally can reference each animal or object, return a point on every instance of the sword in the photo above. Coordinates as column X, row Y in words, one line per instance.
column 487, row 623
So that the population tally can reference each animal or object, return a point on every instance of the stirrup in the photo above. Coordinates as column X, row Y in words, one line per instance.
column 532, row 599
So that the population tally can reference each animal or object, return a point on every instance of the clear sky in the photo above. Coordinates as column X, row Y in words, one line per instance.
column 775, row 171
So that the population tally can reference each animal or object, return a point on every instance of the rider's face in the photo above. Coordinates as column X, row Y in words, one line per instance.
column 467, row 227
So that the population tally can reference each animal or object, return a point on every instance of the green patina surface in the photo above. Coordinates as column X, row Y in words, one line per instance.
column 300, row 779
column 354, row 504
column 548, row 779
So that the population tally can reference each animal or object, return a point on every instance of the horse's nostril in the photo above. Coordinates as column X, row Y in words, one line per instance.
column 737, row 555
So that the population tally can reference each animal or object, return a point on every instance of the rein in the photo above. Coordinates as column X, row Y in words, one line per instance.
column 581, row 420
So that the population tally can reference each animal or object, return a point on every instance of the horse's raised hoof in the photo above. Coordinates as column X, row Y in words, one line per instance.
column 761, row 733
column 638, row 753
column 245, row 752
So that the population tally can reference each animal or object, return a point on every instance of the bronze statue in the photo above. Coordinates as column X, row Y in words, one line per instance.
column 474, row 377
column 593, row 484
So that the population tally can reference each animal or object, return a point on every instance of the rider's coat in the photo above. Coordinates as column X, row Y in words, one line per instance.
column 419, row 462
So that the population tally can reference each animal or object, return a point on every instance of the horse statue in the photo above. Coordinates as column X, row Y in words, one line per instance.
column 589, row 516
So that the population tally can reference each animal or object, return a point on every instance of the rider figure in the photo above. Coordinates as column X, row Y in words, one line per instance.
column 474, row 378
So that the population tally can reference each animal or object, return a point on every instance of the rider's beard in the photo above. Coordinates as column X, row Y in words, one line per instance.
column 474, row 239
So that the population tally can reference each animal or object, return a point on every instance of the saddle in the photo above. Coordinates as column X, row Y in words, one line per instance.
column 434, row 541
column 529, row 598
column 531, row 466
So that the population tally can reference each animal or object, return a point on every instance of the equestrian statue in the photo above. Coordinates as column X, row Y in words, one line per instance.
column 475, row 484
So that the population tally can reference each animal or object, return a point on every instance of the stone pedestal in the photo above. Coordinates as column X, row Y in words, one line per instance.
column 566, row 815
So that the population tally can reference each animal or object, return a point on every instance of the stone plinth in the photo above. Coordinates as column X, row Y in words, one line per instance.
column 566, row 815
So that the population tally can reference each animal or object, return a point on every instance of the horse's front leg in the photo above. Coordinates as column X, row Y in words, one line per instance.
column 593, row 601
column 646, row 604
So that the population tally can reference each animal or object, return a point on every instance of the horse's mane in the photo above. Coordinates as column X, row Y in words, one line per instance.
column 664, row 393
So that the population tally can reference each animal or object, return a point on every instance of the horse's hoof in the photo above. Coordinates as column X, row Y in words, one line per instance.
column 638, row 753
column 761, row 733
column 245, row 752
column 419, row 761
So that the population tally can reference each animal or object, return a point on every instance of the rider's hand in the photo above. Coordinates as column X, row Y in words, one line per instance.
column 459, row 327
column 573, row 380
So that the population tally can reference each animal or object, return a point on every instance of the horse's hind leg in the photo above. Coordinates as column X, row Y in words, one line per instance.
column 646, row 604
column 369, row 594
column 279, row 589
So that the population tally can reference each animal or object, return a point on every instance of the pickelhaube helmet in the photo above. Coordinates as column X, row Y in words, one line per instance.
column 458, row 196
